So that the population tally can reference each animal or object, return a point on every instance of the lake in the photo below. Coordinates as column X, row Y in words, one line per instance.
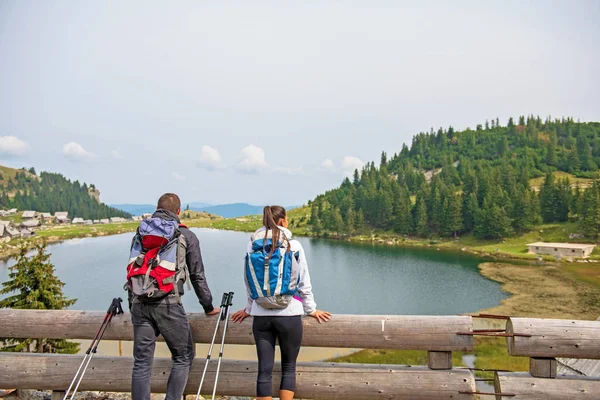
column 347, row 278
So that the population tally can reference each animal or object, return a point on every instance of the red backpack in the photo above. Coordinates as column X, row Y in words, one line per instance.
column 156, row 260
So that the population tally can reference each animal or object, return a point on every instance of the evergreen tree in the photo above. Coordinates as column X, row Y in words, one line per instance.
column 37, row 288
column 589, row 218
column 452, row 215
column 421, row 223
column 315, row 221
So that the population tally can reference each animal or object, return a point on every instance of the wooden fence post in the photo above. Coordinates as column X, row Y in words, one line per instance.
column 542, row 367
column 439, row 359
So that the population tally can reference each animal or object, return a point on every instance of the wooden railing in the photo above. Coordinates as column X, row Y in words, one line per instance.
column 543, row 340
column 439, row 335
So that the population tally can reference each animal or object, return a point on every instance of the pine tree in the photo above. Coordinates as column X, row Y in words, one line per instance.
column 420, row 218
column 452, row 215
column 548, row 199
column 350, row 222
column 589, row 219
column 37, row 288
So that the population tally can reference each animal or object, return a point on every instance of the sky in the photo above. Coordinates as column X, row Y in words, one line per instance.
column 273, row 102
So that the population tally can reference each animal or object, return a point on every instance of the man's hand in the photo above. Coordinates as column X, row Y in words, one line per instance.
column 215, row 311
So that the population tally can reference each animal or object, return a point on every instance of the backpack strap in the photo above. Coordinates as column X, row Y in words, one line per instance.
column 282, row 252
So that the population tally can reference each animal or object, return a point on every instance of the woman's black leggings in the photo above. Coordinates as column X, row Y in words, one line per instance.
column 289, row 332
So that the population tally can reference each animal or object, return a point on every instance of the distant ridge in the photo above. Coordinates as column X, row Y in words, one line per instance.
column 135, row 209
column 231, row 210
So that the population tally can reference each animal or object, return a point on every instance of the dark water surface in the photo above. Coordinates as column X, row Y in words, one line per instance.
column 347, row 278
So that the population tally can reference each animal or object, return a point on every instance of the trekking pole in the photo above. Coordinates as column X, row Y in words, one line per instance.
column 226, row 317
column 223, row 306
column 114, row 309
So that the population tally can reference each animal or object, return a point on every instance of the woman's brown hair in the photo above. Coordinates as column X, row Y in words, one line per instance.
column 271, row 216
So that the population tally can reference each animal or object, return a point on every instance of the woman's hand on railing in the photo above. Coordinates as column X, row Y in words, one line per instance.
column 321, row 316
column 239, row 316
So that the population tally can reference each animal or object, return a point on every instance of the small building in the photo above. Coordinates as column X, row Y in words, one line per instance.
column 136, row 218
column 105, row 221
column 28, row 214
column 561, row 249
column 96, row 221
column 27, row 233
column 46, row 216
column 4, row 223
column 147, row 215
column 61, row 217
column 78, row 221
column 12, row 233
column 117, row 219
column 88, row 222
column 32, row 223
column 12, row 211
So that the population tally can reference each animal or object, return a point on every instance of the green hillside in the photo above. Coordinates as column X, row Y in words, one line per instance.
column 50, row 192
column 494, row 182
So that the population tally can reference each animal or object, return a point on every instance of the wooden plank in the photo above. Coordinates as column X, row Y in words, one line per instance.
column 437, row 333
column 527, row 387
column 238, row 378
column 439, row 359
column 552, row 338
column 542, row 367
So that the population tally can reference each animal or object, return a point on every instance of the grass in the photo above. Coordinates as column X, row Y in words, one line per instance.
column 536, row 183
column 492, row 353
column 397, row 357
column 297, row 217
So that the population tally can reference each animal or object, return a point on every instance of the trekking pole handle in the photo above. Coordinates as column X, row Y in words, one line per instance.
column 115, row 307
column 224, row 299
column 230, row 299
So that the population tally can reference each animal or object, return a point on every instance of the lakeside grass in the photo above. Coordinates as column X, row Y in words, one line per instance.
column 57, row 233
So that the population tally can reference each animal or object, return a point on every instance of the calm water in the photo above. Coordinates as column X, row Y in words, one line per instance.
column 347, row 278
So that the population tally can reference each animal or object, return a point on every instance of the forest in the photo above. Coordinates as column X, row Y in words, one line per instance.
column 450, row 183
column 51, row 192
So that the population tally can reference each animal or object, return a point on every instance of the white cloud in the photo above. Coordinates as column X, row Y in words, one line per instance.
column 210, row 158
column 350, row 163
column 253, row 160
column 13, row 146
column 178, row 177
column 116, row 154
column 75, row 152
column 328, row 164
column 288, row 171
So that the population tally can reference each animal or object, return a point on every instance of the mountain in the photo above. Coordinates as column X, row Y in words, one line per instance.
column 50, row 192
column 231, row 210
column 136, row 209
column 477, row 181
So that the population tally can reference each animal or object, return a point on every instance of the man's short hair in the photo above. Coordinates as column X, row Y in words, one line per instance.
column 169, row 201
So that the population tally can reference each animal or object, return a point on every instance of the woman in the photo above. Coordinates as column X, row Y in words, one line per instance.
column 284, row 322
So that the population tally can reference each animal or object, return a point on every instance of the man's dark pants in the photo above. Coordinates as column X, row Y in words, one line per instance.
column 169, row 320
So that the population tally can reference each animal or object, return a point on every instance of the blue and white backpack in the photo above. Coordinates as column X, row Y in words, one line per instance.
column 273, row 281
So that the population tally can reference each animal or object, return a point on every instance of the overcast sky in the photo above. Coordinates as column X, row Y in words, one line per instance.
column 272, row 101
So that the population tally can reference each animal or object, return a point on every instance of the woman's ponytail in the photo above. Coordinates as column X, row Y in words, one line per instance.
column 271, row 216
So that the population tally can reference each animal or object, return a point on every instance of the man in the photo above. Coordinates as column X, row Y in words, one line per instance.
column 167, row 317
